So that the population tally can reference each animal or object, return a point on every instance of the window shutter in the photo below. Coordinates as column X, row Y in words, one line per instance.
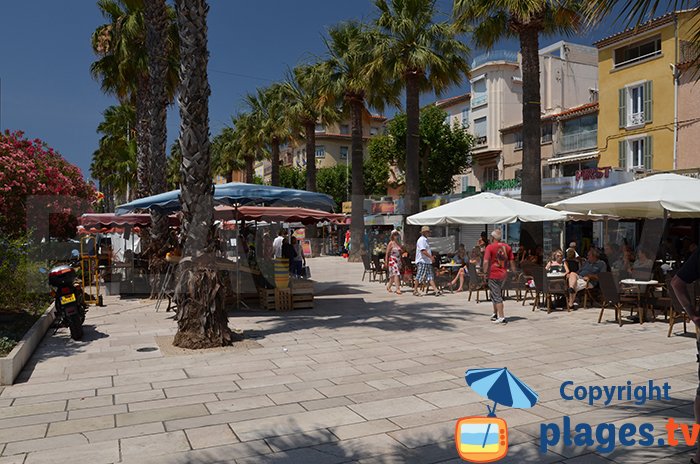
column 622, row 154
column 647, row 101
column 647, row 153
column 622, row 106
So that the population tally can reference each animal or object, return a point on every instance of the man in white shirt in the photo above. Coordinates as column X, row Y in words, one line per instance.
column 424, row 263
column 278, row 242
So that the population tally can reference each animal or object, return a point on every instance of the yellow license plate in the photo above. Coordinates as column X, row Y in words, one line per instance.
column 68, row 299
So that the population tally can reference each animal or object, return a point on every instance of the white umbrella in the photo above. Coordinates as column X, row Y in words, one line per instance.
column 657, row 196
column 485, row 208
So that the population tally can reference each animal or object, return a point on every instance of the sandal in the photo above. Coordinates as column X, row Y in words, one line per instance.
column 399, row 292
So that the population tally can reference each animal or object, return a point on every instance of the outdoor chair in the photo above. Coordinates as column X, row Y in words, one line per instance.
column 368, row 268
column 546, row 290
column 676, row 311
column 379, row 269
column 611, row 299
column 477, row 283
column 407, row 271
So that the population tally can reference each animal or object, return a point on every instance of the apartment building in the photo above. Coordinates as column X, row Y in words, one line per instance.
column 640, row 98
column 568, row 79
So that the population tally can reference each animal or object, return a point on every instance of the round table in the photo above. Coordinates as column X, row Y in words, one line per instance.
column 641, row 286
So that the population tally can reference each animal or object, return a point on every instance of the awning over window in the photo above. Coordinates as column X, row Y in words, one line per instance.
column 573, row 158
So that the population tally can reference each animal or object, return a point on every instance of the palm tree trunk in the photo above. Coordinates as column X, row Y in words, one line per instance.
column 357, row 226
column 412, row 190
column 201, row 319
column 249, row 169
column 143, row 140
column 275, row 160
column 156, row 17
column 531, row 233
column 310, row 137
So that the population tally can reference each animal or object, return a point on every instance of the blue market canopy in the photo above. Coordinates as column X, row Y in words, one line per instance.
column 502, row 387
column 237, row 193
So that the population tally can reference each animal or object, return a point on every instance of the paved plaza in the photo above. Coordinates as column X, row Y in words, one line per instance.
column 366, row 376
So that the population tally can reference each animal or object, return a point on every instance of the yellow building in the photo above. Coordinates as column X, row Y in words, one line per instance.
column 637, row 93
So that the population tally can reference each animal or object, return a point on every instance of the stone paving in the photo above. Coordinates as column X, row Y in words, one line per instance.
column 364, row 377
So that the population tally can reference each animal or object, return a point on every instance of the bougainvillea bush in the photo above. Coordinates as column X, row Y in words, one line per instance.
column 36, row 182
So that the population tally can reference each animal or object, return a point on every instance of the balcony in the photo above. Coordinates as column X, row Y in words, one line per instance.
column 479, row 100
column 636, row 119
column 480, row 141
column 495, row 55
column 579, row 141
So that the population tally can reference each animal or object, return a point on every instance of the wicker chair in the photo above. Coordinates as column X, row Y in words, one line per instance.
column 477, row 283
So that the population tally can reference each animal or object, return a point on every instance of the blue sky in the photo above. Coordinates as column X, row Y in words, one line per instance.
column 47, row 90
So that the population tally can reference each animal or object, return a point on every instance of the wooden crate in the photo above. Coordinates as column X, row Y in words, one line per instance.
column 283, row 299
column 302, row 294
column 267, row 298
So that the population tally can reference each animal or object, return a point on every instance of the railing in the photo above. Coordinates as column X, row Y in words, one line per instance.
column 639, row 58
column 496, row 55
column 479, row 141
column 579, row 141
column 479, row 100
column 636, row 119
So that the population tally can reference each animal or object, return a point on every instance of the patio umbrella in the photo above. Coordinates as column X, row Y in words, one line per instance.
column 485, row 208
column 653, row 197
column 502, row 387
column 237, row 193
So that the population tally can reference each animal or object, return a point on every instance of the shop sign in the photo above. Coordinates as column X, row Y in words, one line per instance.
column 593, row 173
column 347, row 207
column 383, row 207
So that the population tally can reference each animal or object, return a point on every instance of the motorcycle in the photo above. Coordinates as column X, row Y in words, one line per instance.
column 69, row 302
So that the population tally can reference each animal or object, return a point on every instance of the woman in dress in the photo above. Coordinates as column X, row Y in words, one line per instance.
column 392, row 260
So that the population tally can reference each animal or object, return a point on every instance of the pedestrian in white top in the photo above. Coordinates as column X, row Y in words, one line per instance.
column 278, row 242
column 424, row 263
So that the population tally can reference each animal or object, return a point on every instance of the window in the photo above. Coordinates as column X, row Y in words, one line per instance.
column 579, row 133
column 490, row 174
column 546, row 131
column 345, row 129
column 638, row 51
column 518, row 140
column 635, row 104
column 320, row 128
column 373, row 131
column 343, row 153
column 464, row 183
column 479, row 96
column 480, row 131
column 320, row 151
column 465, row 117
column 636, row 153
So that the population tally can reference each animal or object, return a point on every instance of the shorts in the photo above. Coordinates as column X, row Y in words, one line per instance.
column 424, row 272
column 581, row 283
column 496, row 289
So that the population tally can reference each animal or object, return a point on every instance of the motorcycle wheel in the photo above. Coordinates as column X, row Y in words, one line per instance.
column 76, row 327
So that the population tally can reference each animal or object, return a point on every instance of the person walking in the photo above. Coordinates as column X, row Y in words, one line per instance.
column 498, row 257
column 392, row 260
column 689, row 273
column 424, row 263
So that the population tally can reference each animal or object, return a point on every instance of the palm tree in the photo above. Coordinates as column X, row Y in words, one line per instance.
column 201, row 319
column 422, row 55
column 249, row 141
column 114, row 161
column 122, row 68
column 309, row 105
column 268, row 108
column 226, row 154
column 352, row 81
column 493, row 20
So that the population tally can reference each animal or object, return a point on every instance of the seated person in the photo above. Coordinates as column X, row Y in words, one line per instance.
column 586, row 277
column 557, row 263
column 622, row 266
column 460, row 257
column 642, row 267
column 572, row 260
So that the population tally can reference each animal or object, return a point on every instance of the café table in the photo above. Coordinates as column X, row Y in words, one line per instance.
column 641, row 287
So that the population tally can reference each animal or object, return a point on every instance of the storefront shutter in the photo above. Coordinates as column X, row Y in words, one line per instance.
column 647, row 101
column 622, row 94
column 622, row 154
column 648, row 162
